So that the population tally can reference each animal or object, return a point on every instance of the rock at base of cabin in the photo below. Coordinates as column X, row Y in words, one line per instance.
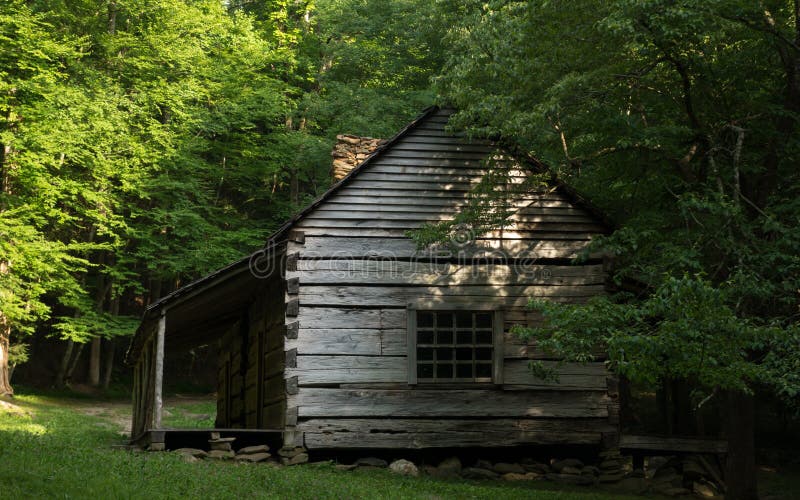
column 295, row 460
column 404, row 468
column 558, row 465
column 483, row 464
column 289, row 452
column 579, row 480
column 571, row 470
column 156, row 447
column 590, row 470
column 611, row 478
column 372, row 462
column 214, row 435
column 449, row 467
column 513, row 476
column 248, row 450
column 253, row 457
column 190, row 459
column 476, row 473
column 610, row 464
column 507, row 468
column 193, row 452
column 345, row 467
column 221, row 444
column 429, row 470
column 221, row 454
column 704, row 489
column 537, row 467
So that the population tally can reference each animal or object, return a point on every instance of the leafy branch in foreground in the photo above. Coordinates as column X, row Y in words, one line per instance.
column 685, row 330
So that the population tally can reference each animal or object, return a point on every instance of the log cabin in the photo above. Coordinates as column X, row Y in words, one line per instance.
column 341, row 333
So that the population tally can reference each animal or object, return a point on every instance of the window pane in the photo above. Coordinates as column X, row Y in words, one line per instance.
column 425, row 371
column 424, row 319
column 483, row 337
column 483, row 370
column 464, row 319
column 464, row 354
column 454, row 345
column 464, row 371
column 444, row 354
column 444, row 371
column 464, row 337
column 425, row 337
column 444, row 320
column 483, row 354
column 425, row 354
column 483, row 320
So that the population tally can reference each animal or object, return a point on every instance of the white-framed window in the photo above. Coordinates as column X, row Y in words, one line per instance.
column 455, row 344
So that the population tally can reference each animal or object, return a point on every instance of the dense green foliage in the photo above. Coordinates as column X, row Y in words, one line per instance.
column 680, row 120
column 146, row 143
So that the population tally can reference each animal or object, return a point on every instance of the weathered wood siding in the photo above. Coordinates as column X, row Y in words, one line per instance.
column 144, row 389
column 352, row 273
column 250, row 390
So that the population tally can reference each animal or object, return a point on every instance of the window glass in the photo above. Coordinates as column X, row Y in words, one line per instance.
column 454, row 346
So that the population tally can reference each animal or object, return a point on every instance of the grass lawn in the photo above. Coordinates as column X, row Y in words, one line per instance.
column 53, row 448
column 63, row 447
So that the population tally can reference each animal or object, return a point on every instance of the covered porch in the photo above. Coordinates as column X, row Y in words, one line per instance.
column 200, row 313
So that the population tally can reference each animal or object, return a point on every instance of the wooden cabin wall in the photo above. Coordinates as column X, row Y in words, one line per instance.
column 230, row 381
column 144, row 389
column 264, row 394
column 347, row 370
column 250, row 389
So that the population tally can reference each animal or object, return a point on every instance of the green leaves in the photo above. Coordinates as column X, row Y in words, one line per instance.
column 683, row 330
column 644, row 106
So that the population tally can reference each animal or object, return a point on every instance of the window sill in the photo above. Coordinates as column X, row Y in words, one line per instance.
column 455, row 385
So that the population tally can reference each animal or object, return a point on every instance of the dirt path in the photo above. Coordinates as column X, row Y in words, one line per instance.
column 117, row 414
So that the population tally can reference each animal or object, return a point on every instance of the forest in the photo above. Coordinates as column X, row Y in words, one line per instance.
column 146, row 143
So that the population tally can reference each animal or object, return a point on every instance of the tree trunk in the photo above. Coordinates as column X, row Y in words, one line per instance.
column 109, row 365
column 94, row 362
column 109, row 346
column 5, row 336
column 61, row 375
column 5, row 378
column 112, row 17
column 73, row 364
column 740, row 470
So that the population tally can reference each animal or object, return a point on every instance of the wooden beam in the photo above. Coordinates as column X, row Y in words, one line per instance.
column 438, row 403
column 444, row 433
column 159, row 376
column 672, row 444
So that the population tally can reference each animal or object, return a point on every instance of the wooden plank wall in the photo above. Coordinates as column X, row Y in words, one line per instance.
column 144, row 390
column 250, row 384
column 230, row 380
column 352, row 271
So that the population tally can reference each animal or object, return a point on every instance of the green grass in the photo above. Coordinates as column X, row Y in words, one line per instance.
column 190, row 415
column 55, row 450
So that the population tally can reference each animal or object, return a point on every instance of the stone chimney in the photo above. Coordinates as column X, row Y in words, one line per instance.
column 349, row 152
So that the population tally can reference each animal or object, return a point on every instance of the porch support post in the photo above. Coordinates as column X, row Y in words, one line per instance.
column 159, row 379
